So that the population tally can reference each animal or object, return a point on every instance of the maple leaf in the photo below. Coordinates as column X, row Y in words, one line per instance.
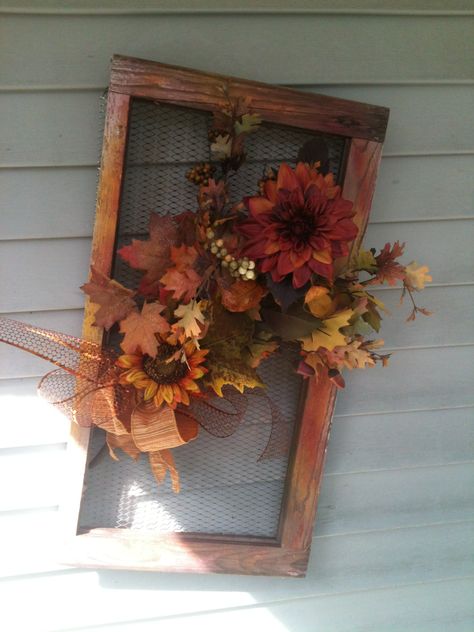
column 221, row 148
column 190, row 316
column 114, row 300
column 234, row 372
column 183, row 284
column 328, row 335
column 183, row 257
column 140, row 329
column 242, row 296
column 388, row 270
column 248, row 123
column 417, row 276
column 153, row 255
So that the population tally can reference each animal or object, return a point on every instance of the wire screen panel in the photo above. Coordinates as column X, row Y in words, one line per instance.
column 226, row 488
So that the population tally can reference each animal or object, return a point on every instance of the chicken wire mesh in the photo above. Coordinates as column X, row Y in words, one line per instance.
column 225, row 488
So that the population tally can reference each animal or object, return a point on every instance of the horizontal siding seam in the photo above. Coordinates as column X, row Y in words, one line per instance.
column 266, row 604
column 11, row 89
column 343, row 416
column 431, row 466
column 382, row 222
column 89, row 165
column 421, row 525
column 256, row 10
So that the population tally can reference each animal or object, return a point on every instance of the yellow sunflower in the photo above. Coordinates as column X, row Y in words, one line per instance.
column 165, row 378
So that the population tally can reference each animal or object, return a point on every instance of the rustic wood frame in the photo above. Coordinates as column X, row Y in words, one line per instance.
column 364, row 128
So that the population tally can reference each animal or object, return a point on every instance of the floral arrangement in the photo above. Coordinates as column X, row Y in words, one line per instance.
column 224, row 287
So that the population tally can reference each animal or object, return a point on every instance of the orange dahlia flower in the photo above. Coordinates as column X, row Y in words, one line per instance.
column 299, row 226
column 163, row 378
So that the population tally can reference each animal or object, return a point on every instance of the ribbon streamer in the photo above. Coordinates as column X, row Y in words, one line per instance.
column 87, row 390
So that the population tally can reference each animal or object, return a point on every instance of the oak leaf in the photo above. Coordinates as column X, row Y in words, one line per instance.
column 191, row 318
column 140, row 329
column 114, row 300
column 248, row 123
column 417, row 276
column 153, row 255
column 328, row 335
column 389, row 270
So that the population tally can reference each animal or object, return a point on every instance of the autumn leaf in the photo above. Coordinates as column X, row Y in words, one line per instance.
column 328, row 335
column 153, row 255
column 140, row 329
column 248, row 123
column 351, row 356
column 242, row 295
column 234, row 372
column 114, row 300
column 260, row 348
column 364, row 260
column 221, row 148
column 388, row 270
column 191, row 318
column 183, row 284
column 319, row 301
column 290, row 326
column 417, row 276
column 183, row 257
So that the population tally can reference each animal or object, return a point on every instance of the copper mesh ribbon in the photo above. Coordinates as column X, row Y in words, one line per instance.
column 86, row 388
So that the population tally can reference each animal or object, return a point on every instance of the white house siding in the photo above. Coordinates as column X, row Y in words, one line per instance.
column 393, row 544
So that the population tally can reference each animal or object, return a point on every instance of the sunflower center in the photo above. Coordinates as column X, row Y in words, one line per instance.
column 162, row 371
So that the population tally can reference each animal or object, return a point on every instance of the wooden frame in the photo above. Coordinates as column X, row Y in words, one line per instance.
column 363, row 126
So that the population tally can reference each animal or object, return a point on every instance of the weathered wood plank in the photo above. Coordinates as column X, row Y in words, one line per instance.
column 52, row 202
column 217, row 40
column 69, row 134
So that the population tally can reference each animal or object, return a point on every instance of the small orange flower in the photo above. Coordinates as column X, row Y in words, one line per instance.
column 167, row 377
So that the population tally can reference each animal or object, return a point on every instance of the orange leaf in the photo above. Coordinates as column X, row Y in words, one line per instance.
column 152, row 255
column 183, row 257
column 183, row 284
column 242, row 295
column 140, row 329
column 114, row 300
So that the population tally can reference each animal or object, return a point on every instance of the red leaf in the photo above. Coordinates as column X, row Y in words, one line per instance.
column 115, row 301
column 183, row 284
column 140, row 329
column 183, row 257
column 152, row 256
column 388, row 270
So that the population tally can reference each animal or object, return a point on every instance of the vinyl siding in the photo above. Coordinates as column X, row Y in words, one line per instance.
column 393, row 543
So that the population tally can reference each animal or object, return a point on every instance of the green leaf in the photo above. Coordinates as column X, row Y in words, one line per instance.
column 249, row 123
column 372, row 317
column 290, row 327
column 364, row 260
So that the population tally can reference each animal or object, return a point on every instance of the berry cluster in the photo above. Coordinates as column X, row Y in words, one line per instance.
column 200, row 173
column 242, row 268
